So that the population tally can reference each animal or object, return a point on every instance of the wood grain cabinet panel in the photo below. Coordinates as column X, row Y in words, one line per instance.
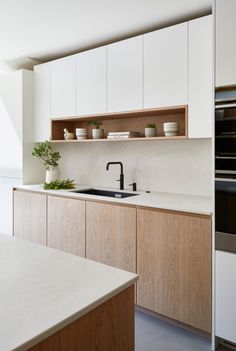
column 111, row 235
column 30, row 216
column 66, row 225
column 174, row 266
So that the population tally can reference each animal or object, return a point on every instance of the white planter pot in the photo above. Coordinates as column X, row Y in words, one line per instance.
column 98, row 133
column 150, row 132
column 52, row 174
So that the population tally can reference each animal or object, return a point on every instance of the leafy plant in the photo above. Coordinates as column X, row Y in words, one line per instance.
column 95, row 123
column 44, row 152
column 151, row 125
column 60, row 184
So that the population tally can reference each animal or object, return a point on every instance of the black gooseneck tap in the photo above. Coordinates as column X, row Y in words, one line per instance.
column 121, row 180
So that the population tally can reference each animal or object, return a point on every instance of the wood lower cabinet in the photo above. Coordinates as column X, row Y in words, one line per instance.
column 111, row 235
column 66, row 225
column 30, row 216
column 174, row 266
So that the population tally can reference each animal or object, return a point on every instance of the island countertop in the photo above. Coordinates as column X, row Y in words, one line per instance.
column 43, row 290
column 167, row 201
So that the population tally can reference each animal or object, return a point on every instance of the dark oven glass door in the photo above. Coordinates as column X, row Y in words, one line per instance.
column 225, row 215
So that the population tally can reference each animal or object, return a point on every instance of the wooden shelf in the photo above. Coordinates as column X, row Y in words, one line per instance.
column 124, row 121
column 179, row 137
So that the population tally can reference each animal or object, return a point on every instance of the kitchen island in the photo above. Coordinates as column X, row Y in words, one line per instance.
column 52, row 301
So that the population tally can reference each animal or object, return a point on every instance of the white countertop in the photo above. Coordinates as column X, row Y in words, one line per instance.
column 176, row 202
column 43, row 290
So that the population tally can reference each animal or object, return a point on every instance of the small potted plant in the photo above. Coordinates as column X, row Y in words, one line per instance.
column 150, row 130
column 50, row 158
column 97, row 133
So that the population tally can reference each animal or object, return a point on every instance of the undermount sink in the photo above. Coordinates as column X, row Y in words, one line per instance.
column 109, row 193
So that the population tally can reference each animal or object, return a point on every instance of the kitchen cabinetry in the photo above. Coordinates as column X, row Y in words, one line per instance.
column 30, row 216
column 125, row 75
column 166, row 67
column 16, row 141
column 225, row 27
column 42, row 106
column 91, row 81
column 111, row 235
column 63, row 87
column 174, row 266
column 66, row 225
column 225, row 296
column 200, row 78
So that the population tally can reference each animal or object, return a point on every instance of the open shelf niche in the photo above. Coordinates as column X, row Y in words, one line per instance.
column 123, row 121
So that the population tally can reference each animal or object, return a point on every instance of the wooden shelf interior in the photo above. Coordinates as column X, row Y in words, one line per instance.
column 126, row 121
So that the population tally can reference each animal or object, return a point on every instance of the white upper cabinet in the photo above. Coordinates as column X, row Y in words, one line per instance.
column 63, row 87
column 125, row 75
column 200, row 84
column 42, row 106
column 165, row 67
column 91, row 81
column 225, row 42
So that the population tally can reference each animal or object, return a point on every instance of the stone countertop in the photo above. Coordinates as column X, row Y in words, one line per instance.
column 167, row 201
column 43, row 290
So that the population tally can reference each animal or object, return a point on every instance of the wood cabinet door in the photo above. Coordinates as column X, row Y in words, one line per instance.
column 42, row 104
column 174, row 266
column 225, row 37
column 63, row 87
column 91, row 81
column 125, row 75
column 166, row 67
column 200, row 78
column 66, row 225
column 30, row 216
column 111, row 235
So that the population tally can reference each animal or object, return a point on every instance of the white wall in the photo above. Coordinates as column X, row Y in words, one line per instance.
column 182, row 166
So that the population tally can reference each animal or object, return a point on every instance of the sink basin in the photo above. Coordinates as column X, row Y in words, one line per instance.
column 109, row 193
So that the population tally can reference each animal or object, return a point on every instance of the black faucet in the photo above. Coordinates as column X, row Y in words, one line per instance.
column 121, row 180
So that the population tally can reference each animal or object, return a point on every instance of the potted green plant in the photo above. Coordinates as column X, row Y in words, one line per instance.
column 97, row 133
column 150, row 130
column 50, row 159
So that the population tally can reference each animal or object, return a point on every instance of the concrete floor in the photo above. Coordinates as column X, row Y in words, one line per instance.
column 155, row 335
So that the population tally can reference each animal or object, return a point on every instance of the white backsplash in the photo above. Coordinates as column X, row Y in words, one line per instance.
column 183, row 166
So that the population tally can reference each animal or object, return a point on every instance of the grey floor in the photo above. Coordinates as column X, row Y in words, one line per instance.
column 155, row 335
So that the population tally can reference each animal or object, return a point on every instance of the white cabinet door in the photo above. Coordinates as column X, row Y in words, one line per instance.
column 225, row 42
column 63, row 87
column 91, row 81
column 225, row 312
column 42, row 107
column 125, row 75
column 200, row 121
column 165, row 67
column 6, row 204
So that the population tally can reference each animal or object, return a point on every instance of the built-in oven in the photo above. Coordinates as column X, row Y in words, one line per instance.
column 225, row 138
column 225, row 214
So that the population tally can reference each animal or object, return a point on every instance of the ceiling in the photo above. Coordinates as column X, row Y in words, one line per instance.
column 32, row 31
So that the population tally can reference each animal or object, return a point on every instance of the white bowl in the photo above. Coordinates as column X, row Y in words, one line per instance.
column 171, row 124
column 171, row 129
column 81, row 137
column 171, row 134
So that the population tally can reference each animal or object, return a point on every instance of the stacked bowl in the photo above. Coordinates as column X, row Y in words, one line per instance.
column 81, row 133
column 171, row 129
